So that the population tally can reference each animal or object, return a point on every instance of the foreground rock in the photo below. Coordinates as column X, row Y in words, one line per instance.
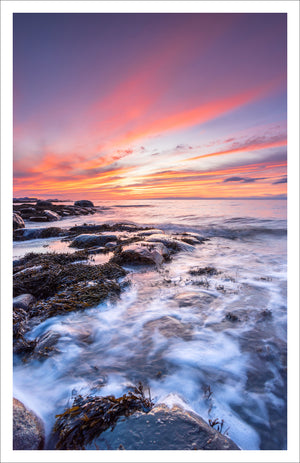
column 28, row 429
column 18, row 222
column 164, row 429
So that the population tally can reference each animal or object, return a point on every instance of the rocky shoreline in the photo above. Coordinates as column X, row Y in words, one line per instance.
column 50, row 284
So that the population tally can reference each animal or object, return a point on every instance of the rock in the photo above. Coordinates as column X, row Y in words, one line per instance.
column 33, row 233
column 18, row 222
column 142, row 253
column 28, row 428
column 163, row 428
column 23, row 301
column 43, row 204
column 90, row 240
column 45, row 344
column 153, row 231
column 170, row 242
column 84, row 203
column 52, row 216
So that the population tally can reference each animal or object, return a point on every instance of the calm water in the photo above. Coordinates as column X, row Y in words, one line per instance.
column 176, row 332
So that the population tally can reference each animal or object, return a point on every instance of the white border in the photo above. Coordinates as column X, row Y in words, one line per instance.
column 290, row 7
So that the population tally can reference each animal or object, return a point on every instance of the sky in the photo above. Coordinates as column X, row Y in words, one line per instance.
column 145, row 106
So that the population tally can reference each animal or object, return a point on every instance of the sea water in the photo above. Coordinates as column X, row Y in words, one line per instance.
column 215, row 344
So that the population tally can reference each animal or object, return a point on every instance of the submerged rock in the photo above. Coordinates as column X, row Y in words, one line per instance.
column 84, row 203
column 171, row 327
column 141, row 253
column 164, row 428
column 28, row 428
column 18, row 222
column 89, row 240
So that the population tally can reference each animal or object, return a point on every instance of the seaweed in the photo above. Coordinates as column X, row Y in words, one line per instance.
column 46, row 282
column 78, row 296
column 49, row 258
column 89, row 416
column 203, row 271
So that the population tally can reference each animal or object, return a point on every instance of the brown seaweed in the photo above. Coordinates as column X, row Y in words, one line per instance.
column 89, row 416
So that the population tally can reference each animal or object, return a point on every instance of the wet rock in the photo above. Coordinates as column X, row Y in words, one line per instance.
column 52, row 216
column 190, row 238
column 18, row 222
column 153, row 231
column 171, row 243
column 23, row 301
column 28, row 428
column 141, row 253
column 90, row 240
column 164, row 428
column 169, row 327
column 34, row 233
column 45, row 345
column 89, row 416
column 43, row 204
column 84, row 203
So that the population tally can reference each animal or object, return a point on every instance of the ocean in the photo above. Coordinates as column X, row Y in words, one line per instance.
column 216, row 344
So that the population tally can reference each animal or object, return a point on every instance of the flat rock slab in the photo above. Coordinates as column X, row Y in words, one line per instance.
column 164, row 429
column 28, row 429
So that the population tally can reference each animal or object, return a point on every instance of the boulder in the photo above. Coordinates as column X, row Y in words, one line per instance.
column 18, row 222
column 142, row 253
column 28, row 428
column 163, row 428
column 90, row 240
column 169, row 327
column 23, row 301
column 52, row 216
column 84, row 203
column 43, row 204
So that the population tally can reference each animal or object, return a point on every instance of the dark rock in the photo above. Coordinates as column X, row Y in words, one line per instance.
column 164, row 429
column 52, row 216
column 89, row 240
column 84, row 203
column 18, row 222
column 43, row 204
column 141, row 253
column 23, row 301
column 34, row 233
column 232, row 317
column 28, row 428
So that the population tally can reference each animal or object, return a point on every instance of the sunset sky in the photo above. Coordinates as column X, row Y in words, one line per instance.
column 135, row 106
